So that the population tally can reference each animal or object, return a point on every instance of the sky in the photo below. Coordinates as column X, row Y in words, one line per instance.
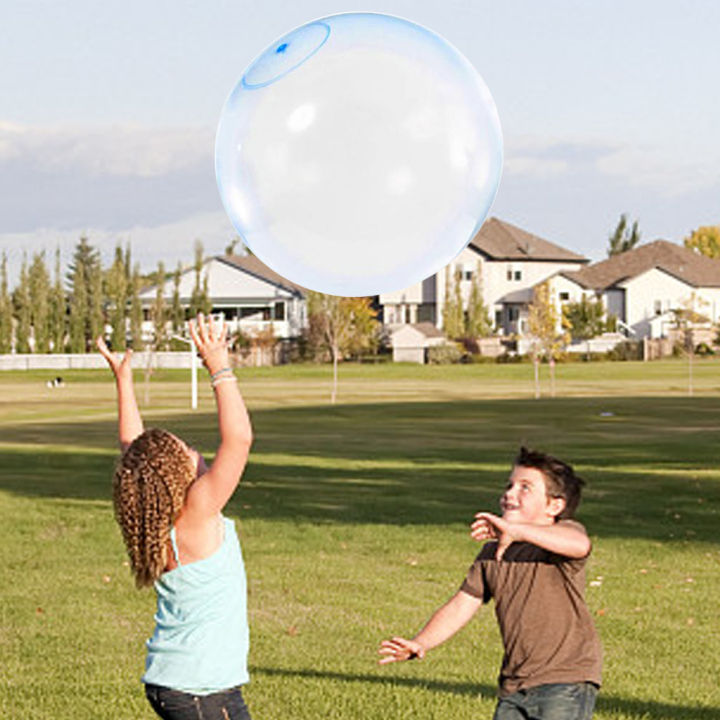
column 108, row 114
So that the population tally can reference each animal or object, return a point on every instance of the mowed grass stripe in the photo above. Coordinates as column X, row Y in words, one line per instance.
column 354, row 521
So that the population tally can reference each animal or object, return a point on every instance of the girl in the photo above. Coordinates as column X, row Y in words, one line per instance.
column 168, row 504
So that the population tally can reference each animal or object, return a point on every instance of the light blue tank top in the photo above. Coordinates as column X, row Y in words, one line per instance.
column 201, row 638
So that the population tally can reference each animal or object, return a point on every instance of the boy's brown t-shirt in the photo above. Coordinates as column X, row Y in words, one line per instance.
column 547, row 631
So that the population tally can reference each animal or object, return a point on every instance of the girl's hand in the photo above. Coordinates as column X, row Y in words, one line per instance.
column 211, row 342
column 399, row 649
column 121, row 366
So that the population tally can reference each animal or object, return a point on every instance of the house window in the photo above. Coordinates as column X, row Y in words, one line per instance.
column 255, row 313
column 518, row 275
column 509, row 274
column 467, row 275
column 513, row 314
column 280, row 311
column 658, row 307
column 498, row 318
column 564, row 296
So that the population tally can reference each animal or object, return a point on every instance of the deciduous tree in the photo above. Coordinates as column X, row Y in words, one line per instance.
column 686, row 320
column 705, row 240
column 584, row 319
column 545, row 328
column 343, row 325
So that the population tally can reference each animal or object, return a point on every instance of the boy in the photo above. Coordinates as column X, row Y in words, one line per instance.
column 534, row 569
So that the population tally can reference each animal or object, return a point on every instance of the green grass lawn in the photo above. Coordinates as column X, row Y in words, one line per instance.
column 354, row 522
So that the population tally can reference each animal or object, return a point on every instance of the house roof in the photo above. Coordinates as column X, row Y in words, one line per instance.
column 677, row 260
column 424, row 328
column 501, row 240
column 254, row 266
column 523, row 296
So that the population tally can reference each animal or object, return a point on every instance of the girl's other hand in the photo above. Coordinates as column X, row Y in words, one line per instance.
column 211, row 342
column 121, row 366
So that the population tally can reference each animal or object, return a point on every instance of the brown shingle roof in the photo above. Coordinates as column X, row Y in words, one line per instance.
column 503, row 241
column 428, row 329
column 252, row 265
column 677, row 260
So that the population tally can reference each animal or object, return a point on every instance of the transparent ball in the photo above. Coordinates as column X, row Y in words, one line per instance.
column 358, row 154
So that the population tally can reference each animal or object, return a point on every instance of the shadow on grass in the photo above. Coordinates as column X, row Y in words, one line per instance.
column 648, row 710
column 646, row 460
column 441, row 686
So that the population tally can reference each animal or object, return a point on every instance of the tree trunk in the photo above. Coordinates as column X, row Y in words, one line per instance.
column 552, row 376
column 536, row 366
column 333, row 394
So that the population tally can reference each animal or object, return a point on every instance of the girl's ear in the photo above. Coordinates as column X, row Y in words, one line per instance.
column 556, row 505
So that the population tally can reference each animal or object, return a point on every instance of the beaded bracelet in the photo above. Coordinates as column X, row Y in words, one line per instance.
column 229, row 378
column 220, row 372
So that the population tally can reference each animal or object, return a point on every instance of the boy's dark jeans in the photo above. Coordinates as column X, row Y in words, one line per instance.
column 554, row 701
column 176, row 705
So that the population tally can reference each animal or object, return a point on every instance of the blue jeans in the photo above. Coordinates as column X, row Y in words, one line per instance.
column 177, row 705
column 554, row 701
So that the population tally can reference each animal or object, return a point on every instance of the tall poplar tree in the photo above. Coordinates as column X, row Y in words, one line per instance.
column 159, row 311
column 58, row 309
column 477, row 319
column 117, row 292
column 21, row 303
column 623, row 238
column 6, row 314
column 39, row 292
column 136, row 312
column 85, row 280
column 200, row 298
column 452, row 313
column 177, row 314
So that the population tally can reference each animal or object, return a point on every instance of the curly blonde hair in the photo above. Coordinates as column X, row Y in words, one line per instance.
column 149, row 488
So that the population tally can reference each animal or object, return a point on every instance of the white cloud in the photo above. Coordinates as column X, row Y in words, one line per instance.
column 102, row 151
column 667, row 171
column 534, row 167
column 670, row 171
column 170, row 242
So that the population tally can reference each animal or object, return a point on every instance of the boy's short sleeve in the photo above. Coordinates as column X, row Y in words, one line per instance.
column 475, row 582
column 573, row 564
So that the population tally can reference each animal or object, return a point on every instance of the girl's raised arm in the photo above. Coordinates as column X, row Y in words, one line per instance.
column 130, row 423
column 209, row 493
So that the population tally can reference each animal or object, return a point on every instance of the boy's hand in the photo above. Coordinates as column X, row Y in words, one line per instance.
column 211, row 342
column 121, row 366
column 399, row 649
column 488, row 526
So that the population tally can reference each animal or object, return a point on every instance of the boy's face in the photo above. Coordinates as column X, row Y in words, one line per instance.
column 525, row 499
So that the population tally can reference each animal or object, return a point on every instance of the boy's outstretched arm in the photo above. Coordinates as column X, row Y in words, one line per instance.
column 443, row 624
column 130, row 423
column 568, row 539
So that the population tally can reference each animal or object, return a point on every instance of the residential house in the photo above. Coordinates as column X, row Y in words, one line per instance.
column 250, row 295
column 411, row 343
column 510, row 261
column 641, row 287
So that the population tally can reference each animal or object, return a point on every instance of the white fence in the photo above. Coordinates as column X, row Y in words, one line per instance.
column 88, row 361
